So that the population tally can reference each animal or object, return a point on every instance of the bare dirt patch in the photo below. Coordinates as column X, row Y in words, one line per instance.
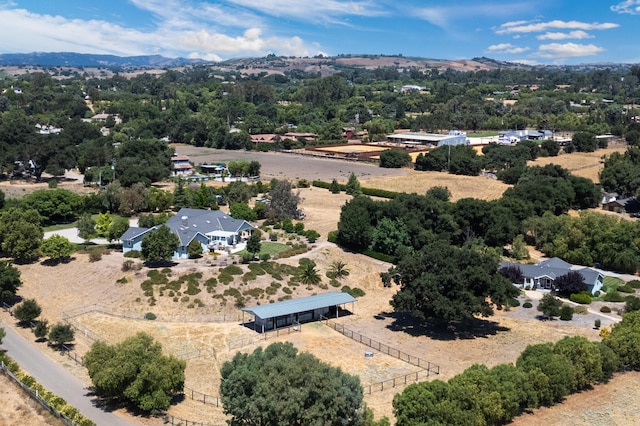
column 289, row 166
column 17, row 408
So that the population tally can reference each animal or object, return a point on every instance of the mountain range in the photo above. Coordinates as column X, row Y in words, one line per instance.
column 271, row 63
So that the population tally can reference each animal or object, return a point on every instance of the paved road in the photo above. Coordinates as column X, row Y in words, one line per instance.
column 56, row 379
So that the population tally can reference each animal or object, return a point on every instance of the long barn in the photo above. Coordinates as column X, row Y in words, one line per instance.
column 305, row 309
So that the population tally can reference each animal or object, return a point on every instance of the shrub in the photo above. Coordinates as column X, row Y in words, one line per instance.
column 597, row 323
column 95, row 255
column 232, row 270
column 273, row 236
column 625, row 289
column 566, row 313
column 265, row 256
column 312, row 235
column 634, row 283
column 136, row 254
column 332, row 237
column 527, row 305
column 605, row 309
column 582, row 298
column 246, row 258
column 355, row 292
column 127, row 265
column 581, row 310
column 150, row 316
column 513, row 302
column 613, row 296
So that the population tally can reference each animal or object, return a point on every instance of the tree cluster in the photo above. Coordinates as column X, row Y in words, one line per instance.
column 135, row 371
column 543, row 375
column 586, row 239
column 279, row 386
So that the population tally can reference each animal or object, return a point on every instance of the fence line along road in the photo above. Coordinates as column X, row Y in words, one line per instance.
column 34, row 395
column 381, row 347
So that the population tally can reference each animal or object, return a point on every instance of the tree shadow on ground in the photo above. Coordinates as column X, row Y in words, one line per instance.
column 109, row 405
column 442, row 330
column 56, row 262
column 160, row 264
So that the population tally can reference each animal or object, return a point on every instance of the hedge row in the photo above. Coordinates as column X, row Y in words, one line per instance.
column 55, row 402
column 372, row 192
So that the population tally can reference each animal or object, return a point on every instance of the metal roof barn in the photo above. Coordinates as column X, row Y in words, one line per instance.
column 288, row 312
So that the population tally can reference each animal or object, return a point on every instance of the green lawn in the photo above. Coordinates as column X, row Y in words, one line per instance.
column 482, row 134
column 269, row 247
column 611, row 283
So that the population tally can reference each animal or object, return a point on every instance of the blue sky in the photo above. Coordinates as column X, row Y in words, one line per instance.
column 528, row 31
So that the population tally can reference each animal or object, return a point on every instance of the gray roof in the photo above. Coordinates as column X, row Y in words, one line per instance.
column 303, row 304
column 133, row 232
column 554, row 268
column 187, row 235
column 206, row 221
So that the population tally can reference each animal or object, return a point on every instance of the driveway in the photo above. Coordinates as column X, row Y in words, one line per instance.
column 71, row 234
column 57, row 380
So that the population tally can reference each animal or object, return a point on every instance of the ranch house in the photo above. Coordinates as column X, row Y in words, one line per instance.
column 213, row 229
column 542, row 275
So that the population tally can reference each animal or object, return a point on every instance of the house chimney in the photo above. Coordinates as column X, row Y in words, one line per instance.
column 185, row 221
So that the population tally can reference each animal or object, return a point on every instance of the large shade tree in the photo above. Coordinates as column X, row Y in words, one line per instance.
column 279, row 386
column 445, row 282
column 136, row 371
column 159, row 245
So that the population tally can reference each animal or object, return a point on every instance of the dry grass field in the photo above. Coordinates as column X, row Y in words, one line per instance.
column 17, row 408
column 499, row 339
column 460, row 186
column 584, row 164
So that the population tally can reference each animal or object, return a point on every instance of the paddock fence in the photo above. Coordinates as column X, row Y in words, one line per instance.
column 178, row 421
column 202, row 397
column 396, row 381
column 382, row 348
column 96, row 308
column 247, row 341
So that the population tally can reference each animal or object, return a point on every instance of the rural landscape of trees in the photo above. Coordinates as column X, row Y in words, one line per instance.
column 445, row 254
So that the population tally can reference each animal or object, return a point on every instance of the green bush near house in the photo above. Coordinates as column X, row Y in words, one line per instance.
column 605, row 309
column 583, row 298
column 634, row 283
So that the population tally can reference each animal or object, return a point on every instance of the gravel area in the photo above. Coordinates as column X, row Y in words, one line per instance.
column 579, row 320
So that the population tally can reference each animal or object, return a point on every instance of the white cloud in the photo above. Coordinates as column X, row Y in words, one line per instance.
column 445, row 16
column 23, row 31
column 631, row 7
column 558, row 50
column 506, row 48
column 313, row 10
column 532, row 27
column 578, row 35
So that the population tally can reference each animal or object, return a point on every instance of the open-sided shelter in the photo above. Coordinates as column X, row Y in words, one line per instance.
column 289, row 312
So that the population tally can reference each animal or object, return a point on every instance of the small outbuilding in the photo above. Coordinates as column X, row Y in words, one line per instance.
column 294, row 311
